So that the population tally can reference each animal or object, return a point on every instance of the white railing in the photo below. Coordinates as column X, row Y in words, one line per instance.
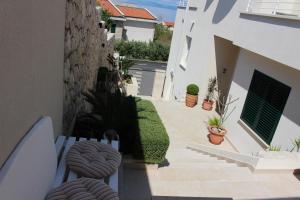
column 182, row 3
column 275, row 7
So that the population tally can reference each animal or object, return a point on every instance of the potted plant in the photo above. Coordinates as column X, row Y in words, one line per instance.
column 215, row 127
column 208, row 101
column 191, row 99
column 216, row 130
column 126, row 64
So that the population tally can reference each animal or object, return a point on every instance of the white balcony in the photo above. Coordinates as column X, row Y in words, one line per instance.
column 275, row 7
column 182, row 3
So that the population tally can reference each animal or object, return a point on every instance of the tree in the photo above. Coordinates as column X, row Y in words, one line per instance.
column 162, row 34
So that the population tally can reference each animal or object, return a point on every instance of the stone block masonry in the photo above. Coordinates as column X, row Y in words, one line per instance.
column 86, row 48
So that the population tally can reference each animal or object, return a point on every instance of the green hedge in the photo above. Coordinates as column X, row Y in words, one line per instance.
column 152, row 143
column 155, row 51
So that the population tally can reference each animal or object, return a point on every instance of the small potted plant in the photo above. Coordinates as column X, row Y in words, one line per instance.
column 215, row 127
column 216, row 131
column 208, row 101
column 192, row 91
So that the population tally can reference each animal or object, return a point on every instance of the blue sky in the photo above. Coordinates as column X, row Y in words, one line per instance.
column 163, row 9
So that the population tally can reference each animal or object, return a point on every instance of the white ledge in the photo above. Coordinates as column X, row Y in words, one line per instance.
column 296, row 18
column 264, row 162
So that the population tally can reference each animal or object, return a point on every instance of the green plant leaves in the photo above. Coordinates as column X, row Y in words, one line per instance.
column 155, row 51
column 192, row 89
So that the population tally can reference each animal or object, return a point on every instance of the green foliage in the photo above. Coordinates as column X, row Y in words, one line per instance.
column 162, row 34
column 106, row 101
column 153, row 141
column 154, row 51
column 105, row 16
column 192, row 89
column 274, row 148
column 215, row 121
column 297, row 144
column 126, row 64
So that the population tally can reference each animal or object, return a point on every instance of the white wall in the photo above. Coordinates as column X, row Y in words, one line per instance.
column 274, row 38
column 139, row 30
column 288, row 128
column 31, row 67
column 119, row 30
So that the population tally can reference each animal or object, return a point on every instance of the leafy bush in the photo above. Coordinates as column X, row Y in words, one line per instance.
column 162, row 34
column 154, row 51
column 192, row 89
column 152, row 143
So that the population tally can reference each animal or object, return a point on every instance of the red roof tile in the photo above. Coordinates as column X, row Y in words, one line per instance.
column 134, row 12
column 169, row 24
column 109, row 7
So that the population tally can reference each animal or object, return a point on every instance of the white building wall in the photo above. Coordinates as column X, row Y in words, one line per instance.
column 119, row 30
column 271, row 37
column 139, row 30
column 288, row 128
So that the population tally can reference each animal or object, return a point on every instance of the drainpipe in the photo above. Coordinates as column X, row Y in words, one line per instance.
column 276, row 7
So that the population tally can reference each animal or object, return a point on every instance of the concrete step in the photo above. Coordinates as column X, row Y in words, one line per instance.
column 203, row 165
column 195, row 161
column 196, row 174
column 186, row 155
column 237, row 189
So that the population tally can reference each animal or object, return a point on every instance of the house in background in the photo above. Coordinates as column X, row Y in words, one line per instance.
column 170, row 25
column 254, row 53
column 130, row 22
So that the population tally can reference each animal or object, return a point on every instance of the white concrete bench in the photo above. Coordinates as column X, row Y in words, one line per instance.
column 38, row 164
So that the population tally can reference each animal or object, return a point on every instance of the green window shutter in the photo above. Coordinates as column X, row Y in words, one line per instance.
column 113, row 28
column 264, row 105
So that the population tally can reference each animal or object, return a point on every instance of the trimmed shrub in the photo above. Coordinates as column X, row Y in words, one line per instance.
column 192, row 89
column 152, row 142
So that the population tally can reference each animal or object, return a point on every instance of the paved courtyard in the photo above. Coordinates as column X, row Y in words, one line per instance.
column 193, row 174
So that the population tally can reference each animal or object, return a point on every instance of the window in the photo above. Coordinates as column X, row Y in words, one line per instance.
column 186, row 52
column 264, row 105
column 113, row 28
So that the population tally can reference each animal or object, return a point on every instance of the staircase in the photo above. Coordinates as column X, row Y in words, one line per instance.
column 190, row 173
column 194, row 174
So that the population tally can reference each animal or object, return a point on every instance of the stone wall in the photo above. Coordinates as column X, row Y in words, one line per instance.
column 86, row 49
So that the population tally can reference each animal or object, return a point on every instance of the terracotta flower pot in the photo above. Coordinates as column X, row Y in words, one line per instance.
column 216, row 135
column 191, row 100
column 207, row 104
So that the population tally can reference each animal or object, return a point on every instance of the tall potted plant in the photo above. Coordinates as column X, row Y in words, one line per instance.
column 192, row 91
column 208, row 101
column 126, row 64
column 216, row 127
